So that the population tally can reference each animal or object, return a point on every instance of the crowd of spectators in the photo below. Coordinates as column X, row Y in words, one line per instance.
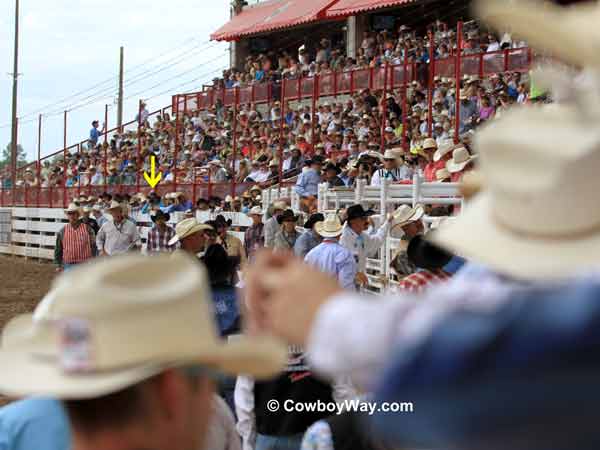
column 344, row 139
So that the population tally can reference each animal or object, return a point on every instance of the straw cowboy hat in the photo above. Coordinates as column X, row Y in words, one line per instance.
column 279, row 205
column 442, row 174
column 570, row 33
column 460, row 159
column 405, row 215
column 445, row 148
column 331, row 227
column 390, row 154
column 72, row 208
column 186, row 228
column 429, row 143
column 535, row 216
column 114, row 205
column 74, row 349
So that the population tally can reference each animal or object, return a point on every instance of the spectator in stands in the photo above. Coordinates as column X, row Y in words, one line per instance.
column 98, row 215
column 390, row 170
column 95, row 133
column 359, row 242
column 330, row 257
column 119, row 235
column 460, row 163
column 272, row 225
column 307, row 185
column 254, row 238
column 286, row 237
column 310, row 238
column 160, row 234
column 75, row 242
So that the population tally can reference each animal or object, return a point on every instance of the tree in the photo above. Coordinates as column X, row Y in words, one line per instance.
column 21, row 156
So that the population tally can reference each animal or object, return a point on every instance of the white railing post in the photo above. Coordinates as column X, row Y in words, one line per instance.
column 383, row 193
column 359, row 192
column 416, row 189
column 322, row 197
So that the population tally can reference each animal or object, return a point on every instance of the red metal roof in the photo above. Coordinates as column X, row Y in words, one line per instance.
column 345, row 8
column 272, row 15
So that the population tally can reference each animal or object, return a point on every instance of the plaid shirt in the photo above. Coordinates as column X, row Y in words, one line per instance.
column 254, row 239
column 158, row 242
column 419, row 281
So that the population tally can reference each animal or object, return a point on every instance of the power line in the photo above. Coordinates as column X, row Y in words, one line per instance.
column 113, row 79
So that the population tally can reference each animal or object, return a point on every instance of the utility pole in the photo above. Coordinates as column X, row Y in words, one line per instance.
column 13, row 140
column 120, row 99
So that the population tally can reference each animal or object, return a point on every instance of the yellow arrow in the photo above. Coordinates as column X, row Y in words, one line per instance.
column 154, row 178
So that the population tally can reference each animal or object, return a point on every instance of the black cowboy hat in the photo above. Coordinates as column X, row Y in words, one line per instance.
column 220, row 219
column 286, row 216
column 426, row 255
column 310, row 223
column 331, row 166
column 160, row 215
column 356, row 212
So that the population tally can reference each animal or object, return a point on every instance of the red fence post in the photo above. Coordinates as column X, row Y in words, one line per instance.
column 236, row 94
column 281, row 123
column 139, row 146
column 430, row 87
column 383, row 106
column 352, row 82
column 405, row 99
column 457, row 72
column 177, row 126
column 105, row 124
column 313, row 111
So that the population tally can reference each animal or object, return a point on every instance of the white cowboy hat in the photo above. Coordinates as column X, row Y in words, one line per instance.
column 255, row 211
column 570, row 33
column 280, row 205
column 445, row 147
column 186, row 228
column 114, row 205
column 460, row 158
column 72, row 208
column 330, row 228
column 534, row 217
column 405, row 215
column 73, row 349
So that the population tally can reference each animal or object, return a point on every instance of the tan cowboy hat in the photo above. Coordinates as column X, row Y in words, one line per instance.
column 460, row 159
column 570, row 33
column 535, row 217
column 429, row 143
column 445, row 147
column 331, row 227
column 114, row 205
column 73, row 349
column 390, row 154
column 72, row 208
column 186, row 228
column 442, row 174
column 405, row 215
column 279, row 205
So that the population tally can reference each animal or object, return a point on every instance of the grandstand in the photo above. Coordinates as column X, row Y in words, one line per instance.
column 292, row 59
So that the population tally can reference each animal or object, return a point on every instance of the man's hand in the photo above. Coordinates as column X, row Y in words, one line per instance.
column 283, row 296
column 390, row 217
column 361, row 279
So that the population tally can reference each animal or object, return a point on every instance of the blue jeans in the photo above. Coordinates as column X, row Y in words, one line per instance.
column 67, row 267
column 264, row 442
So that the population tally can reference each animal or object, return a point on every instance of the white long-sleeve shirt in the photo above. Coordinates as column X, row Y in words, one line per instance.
column 364, row 245
column 354, row 336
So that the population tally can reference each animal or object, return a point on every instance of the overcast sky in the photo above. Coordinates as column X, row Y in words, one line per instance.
column 68, row 46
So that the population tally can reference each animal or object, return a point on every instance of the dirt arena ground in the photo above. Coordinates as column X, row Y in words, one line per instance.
column 23, row 283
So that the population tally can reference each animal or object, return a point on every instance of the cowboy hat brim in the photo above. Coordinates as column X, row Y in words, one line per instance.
column 24, row 374
column 417, row 213
column 476, row 235
column 453, row 167
column 166, row 216
column 568, row 32
column 327, row 234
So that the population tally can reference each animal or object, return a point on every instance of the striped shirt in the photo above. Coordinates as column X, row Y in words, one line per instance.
column 74, row 244
column 159, row 241
column 419, row 281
